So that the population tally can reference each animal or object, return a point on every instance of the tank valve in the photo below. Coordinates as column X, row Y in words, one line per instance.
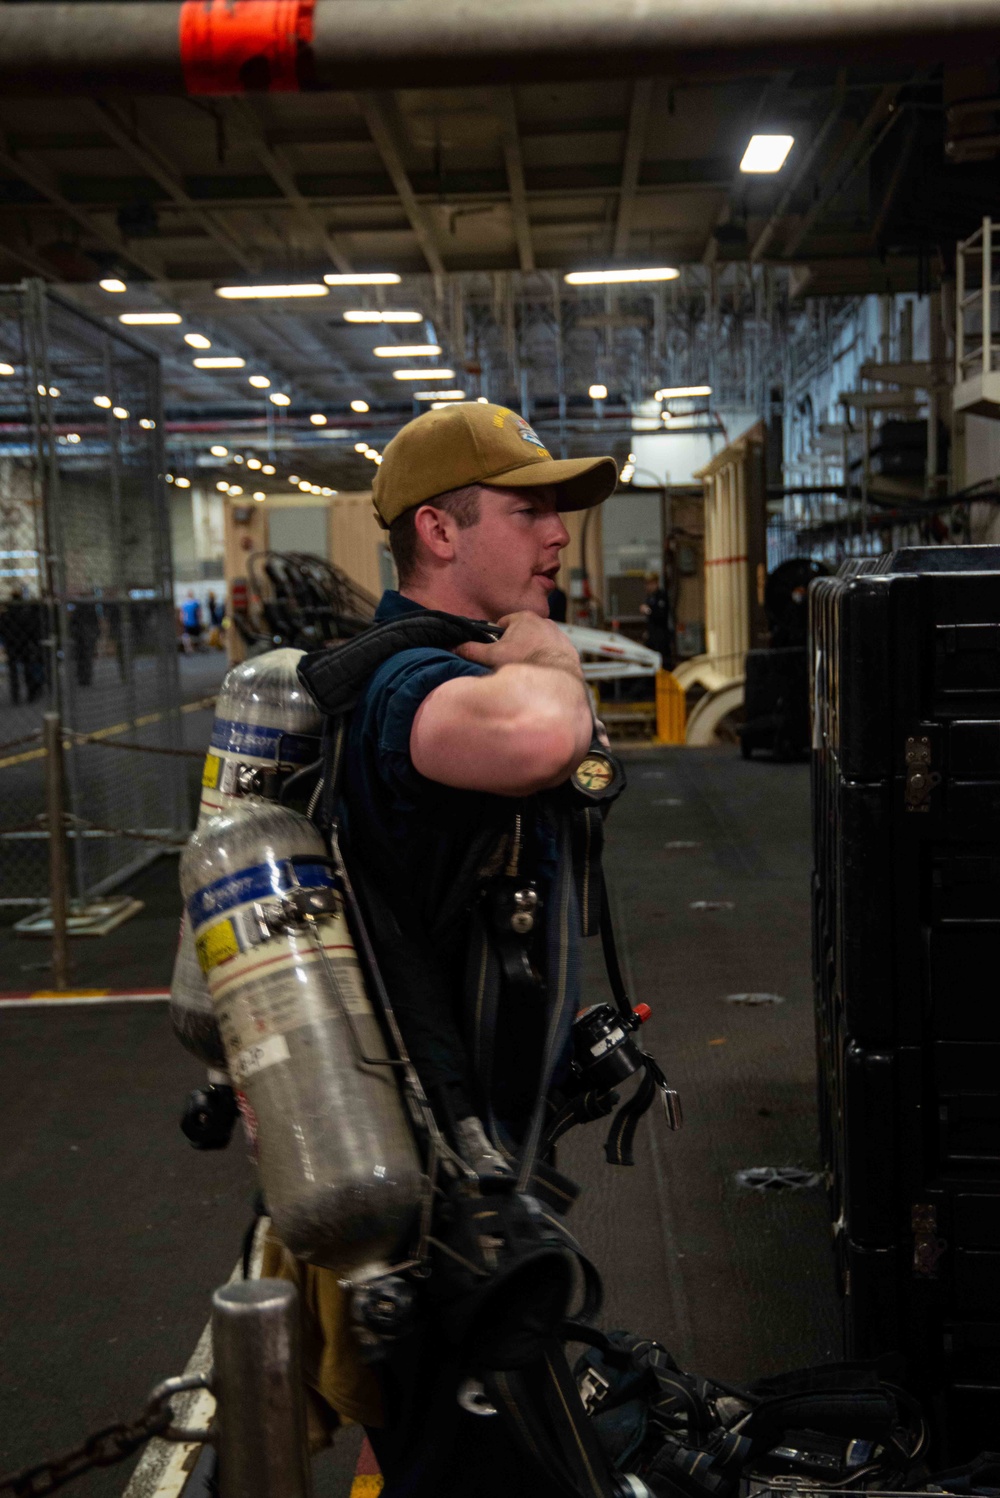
column 210, row 1117
column 382, row 1309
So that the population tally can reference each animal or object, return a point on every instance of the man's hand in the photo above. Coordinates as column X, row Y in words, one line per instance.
column 528, row 640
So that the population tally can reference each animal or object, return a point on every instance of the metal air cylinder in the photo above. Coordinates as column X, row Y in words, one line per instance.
column 266, row 724
column 338, row 1162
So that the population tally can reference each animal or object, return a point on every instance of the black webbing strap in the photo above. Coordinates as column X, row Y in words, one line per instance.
column 543, row 1412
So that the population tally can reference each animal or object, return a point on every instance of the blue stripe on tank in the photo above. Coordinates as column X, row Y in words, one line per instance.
column 260, row 881
column 263, row 742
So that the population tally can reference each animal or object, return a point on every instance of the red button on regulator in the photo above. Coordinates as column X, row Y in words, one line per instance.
column 642, row 1013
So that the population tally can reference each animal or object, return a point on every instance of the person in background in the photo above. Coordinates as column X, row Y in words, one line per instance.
column 84, row 629
column 557, row 605
column 191, row 622
column 215, row 617
column 22, row 626
column 659, row 626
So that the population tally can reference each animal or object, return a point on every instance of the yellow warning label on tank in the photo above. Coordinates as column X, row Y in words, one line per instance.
column 216, row 945
column 210, row 774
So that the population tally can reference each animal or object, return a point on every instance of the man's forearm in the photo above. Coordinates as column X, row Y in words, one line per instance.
column 519, row 730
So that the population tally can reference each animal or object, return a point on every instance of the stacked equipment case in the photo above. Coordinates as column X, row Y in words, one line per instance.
column 905, row 677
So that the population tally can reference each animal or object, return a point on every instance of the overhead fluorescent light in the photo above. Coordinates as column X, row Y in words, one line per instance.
column 222, row 361
column 112, row 283
column 682, row 392
column 361, row 447
column 360, row 406
column 766, row 153
column 245, row 293
column 268, row 468
column 8, row 369
column 234, row 490
column 104, row 401
column 197, row 340
column 598, row 392
column 223, row 486
column 305, row 486
column 390, row 316
column 259, row 494
column 439, row 395
column 183, row 483
column 407, row 351
column 423, row 374
column 279, row 399
column 120, row 412
column 218, row 451
column 260, row 382
column 607, row 277
column 148, row 319
column 364, row 278
column 147, row 424
column 318, row 419
column 254, row 463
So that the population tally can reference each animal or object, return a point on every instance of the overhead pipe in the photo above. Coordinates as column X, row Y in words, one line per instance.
column 223, row 47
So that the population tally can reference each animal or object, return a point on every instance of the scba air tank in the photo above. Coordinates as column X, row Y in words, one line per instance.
column 266, row 726
column 338, row 1163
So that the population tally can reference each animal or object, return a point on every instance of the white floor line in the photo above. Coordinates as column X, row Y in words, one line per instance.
column 165, row 1466
column 77, row 999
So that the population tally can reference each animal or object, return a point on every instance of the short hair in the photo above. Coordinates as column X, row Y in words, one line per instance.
column 461, row 504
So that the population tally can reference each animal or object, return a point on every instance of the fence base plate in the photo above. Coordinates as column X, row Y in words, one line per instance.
column 94, row 919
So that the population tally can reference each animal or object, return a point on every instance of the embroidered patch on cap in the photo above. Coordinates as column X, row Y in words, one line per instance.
column 528, row 434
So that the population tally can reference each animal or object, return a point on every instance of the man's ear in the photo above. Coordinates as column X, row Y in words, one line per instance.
column 435, row 529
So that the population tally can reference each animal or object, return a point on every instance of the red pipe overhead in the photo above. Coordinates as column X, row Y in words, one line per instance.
column 238, row 46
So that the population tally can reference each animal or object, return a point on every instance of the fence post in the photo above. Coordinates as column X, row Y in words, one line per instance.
column 55, row 806
column 257, row 1381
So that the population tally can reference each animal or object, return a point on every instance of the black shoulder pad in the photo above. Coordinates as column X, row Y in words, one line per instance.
column 335, row 676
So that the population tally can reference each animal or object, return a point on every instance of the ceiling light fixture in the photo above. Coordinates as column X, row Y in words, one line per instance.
column 328, row 492
column 482, row 400
column 218, row 451
column 253, row 463
column 260, row 382
column 439, row 395
column 682, row 392
column 120, row 412
column 280, row 400
column 169, row 478
column 268, row 468
column 293, row 478
column 318, row 419
column 235, row 491
column 364, row 278
column 183, row 483
column 112, row 283
column 197, row 340
column 104, row 401
column 373, row 316
column 259, row 494
column 315, row 489
column 149, row 319
column 237, row 458
column 360, row 406
column 146, row 424
column 222, row 361
column 598, row 392
column 423, row 374
column 223, row 486
column 766, row 153
column 361, row 447
column 407, row 351
column 371, row 452
column 305, row 485
column 8, row 369
column 246, row 293
column 610, row 277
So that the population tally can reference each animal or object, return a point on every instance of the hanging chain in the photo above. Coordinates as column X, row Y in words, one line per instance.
column 106, row 1447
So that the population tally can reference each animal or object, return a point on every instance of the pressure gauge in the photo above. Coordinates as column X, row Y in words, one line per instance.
column 599, row 776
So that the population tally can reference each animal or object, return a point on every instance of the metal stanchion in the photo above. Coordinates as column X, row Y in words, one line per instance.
column 55, row 805
column 257, row 1380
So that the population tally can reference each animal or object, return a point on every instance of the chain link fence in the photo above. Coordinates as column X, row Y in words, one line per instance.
column 87, row 624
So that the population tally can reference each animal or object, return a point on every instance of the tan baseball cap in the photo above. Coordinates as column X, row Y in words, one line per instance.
column 469, row 443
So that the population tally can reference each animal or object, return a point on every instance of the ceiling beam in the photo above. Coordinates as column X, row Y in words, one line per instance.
column 804, row 167
column 44, row 181
column 145, row 153
column 843, row 166
column 510, row 145
column 274, row 162
column 381, row 117
column 635, row 143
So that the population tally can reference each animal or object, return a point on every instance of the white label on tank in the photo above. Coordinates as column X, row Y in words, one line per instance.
column 255, row 1058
